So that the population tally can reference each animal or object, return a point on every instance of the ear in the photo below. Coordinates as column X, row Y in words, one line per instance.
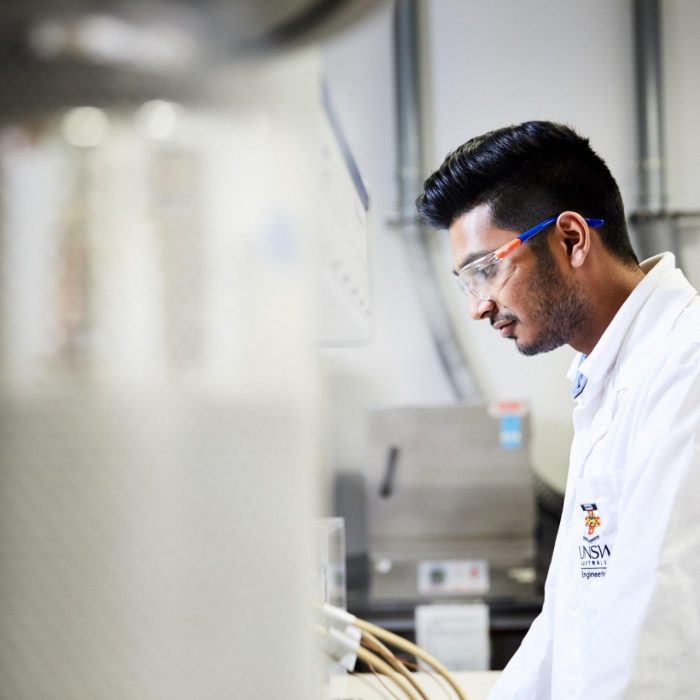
column 575, row 236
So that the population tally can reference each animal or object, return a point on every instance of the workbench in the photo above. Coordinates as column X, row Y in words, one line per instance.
column 365, row 686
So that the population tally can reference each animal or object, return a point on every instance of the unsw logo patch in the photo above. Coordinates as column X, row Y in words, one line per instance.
column 593, row 558
column 591, row 521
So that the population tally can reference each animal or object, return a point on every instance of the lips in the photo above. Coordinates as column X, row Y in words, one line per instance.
column 505, row 327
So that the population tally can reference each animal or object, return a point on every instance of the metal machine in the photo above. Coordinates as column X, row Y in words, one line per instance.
column 449, row 516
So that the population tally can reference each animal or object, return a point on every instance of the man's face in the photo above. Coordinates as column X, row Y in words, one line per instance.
column 533, row 302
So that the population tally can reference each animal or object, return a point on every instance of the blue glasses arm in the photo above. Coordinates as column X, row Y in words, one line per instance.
column 536, row 229
column 593, row 223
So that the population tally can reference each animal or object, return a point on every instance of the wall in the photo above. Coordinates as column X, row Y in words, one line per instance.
column 682, row 94
column 490, row 64
column 398, row 366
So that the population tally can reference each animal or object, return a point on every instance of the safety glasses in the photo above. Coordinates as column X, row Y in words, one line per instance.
column 481, row 276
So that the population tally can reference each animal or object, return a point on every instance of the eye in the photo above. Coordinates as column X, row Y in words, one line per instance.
column 485, row 273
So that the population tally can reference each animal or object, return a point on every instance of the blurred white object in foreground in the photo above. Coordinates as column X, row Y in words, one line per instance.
column 157, row 448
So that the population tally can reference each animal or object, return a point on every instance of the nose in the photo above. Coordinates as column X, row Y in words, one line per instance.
column 479, row 308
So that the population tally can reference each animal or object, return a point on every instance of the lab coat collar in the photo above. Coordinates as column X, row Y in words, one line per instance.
column 657, row 300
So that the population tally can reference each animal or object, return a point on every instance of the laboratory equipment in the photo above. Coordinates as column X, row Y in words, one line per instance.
column 450, row 517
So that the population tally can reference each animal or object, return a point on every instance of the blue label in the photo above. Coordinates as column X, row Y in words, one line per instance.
column 511, row 434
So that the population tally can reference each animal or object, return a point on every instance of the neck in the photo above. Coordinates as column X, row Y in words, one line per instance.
column 609, row 289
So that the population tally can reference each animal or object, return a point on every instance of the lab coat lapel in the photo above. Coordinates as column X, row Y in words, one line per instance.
column 660, row 312
column 602, row 395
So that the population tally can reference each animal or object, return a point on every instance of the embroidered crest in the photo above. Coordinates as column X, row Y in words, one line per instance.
column 591, row 521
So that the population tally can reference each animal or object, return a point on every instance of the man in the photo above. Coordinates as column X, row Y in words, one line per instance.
column 539, row 242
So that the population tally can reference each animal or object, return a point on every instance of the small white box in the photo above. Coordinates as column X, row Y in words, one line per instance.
column 456, row 635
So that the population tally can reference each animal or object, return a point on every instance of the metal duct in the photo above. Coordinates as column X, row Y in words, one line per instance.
column 117, row 53
column 655, row 229
column 420, row 241
column 228, row 25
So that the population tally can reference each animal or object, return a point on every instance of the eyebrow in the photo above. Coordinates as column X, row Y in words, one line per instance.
column 470, row 259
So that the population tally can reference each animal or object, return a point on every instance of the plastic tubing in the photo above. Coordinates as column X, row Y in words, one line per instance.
column 370, row 642
column 401, row 643
column 371, row 659
column 394, row 640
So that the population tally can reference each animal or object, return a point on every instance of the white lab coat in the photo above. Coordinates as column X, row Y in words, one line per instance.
column 621, row 617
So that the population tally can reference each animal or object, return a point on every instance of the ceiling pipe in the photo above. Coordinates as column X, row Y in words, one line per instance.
column 411, row 172
column 654, row 226
column 652, row 177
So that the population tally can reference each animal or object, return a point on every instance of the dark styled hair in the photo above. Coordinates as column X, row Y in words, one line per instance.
column 526, row 173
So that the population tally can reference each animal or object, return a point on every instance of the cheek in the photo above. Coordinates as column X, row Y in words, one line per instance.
column 515, row 294
column 521, row 298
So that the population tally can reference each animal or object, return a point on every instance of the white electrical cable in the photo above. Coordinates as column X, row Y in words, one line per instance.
column 338, row 614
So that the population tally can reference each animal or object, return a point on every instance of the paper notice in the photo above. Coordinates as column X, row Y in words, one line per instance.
column 456, row 635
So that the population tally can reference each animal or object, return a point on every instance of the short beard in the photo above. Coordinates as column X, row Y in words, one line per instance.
column 559, row 308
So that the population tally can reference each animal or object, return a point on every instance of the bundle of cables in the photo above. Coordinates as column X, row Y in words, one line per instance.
column 346, row 634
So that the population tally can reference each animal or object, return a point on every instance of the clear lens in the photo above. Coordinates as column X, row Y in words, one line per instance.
column 481, row 277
